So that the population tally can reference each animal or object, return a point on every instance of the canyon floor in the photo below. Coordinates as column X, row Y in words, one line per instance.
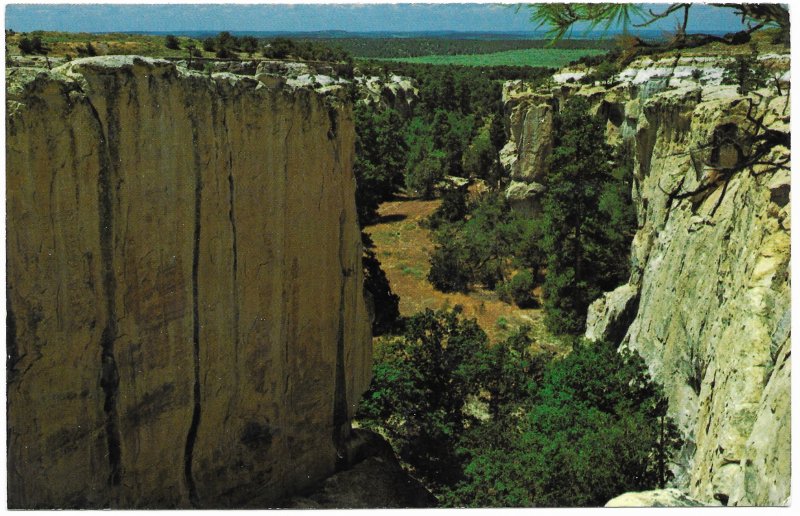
column 403, row 244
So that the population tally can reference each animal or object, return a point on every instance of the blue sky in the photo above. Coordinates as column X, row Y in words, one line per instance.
column 303, row 17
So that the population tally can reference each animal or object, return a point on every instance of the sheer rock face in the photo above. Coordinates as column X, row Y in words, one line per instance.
column 186, row 321
column 712, row 270
column 708, row 301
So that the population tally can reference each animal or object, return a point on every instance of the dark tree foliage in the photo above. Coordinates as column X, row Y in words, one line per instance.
column 210, row 45
column 227, row 40
column 389, row 47
column 385, row 302
column 571, row 431
column 25, row 46
column 484, row 248
column 380, row 158
column 308, row 50
column 595, row 426
column 562, row 18
column 421, row 382
column 225, row 53
column 452, row 209
column 33, row 45
column 172, row 42
column 519, row 289
column 580, row 234
column 746, row 72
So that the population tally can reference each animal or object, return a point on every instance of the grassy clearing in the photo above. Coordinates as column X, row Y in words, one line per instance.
column 402, row 246
column 541, row 57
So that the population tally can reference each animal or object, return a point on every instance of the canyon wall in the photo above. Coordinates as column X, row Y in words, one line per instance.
column 186, row 320
column 708, row 300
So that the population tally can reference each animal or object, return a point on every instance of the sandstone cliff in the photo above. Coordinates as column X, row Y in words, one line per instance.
column 186, row 321
column 708, row 301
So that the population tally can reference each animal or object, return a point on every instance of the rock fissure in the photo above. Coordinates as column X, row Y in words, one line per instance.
column 109, row 375
column 191, row 435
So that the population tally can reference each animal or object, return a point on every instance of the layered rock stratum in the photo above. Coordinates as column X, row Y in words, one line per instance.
column 186, row 319
column 708, row 301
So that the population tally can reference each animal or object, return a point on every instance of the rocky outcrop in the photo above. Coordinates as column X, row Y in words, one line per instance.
column 396, row 92
column 186, row 320
column 375, row 479
column 657, row 498
column 708, row 300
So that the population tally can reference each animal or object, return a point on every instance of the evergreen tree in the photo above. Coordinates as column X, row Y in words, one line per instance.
column 420, row 385
column 172, row 42
column 380, row 158
column 746, row 72
column 583, row 257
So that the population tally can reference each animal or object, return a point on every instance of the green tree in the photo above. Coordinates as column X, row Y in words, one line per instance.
column 423, row 175
column 172, row 42
column 577, row 237
column 485, row 247
column 561, row 18
column 453, row 208
column 249, row 44
column 380, row 157
column 421, row 382
column 25, row 46
column 746, row 72
column 279, row 48
column 480, row 156
column 595, row 427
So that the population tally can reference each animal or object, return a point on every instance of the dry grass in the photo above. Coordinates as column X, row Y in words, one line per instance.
column 403, row 245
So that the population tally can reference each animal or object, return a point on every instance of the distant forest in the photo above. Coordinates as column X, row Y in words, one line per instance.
column 414, row 47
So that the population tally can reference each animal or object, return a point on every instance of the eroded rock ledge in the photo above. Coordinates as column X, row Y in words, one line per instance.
column 186, row 320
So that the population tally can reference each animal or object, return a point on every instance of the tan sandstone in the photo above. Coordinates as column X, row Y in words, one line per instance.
column 187, row 320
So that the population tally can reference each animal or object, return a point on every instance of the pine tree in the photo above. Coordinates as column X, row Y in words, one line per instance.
column 580, row 223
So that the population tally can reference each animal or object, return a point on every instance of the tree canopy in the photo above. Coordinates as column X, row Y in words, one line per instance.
column 561, row 19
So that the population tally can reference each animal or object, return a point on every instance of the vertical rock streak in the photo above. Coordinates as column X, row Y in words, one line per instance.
column 191, row 436
column 109, row 374
column 340, row 386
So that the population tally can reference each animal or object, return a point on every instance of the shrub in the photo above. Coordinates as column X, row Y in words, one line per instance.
column 452, row 209
column 449, row 269
column 172, row 42
column 224, row 53
column 593, row 426
column 25, row 46
column 519, row 289
column 209, row 45
column 249, row 44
